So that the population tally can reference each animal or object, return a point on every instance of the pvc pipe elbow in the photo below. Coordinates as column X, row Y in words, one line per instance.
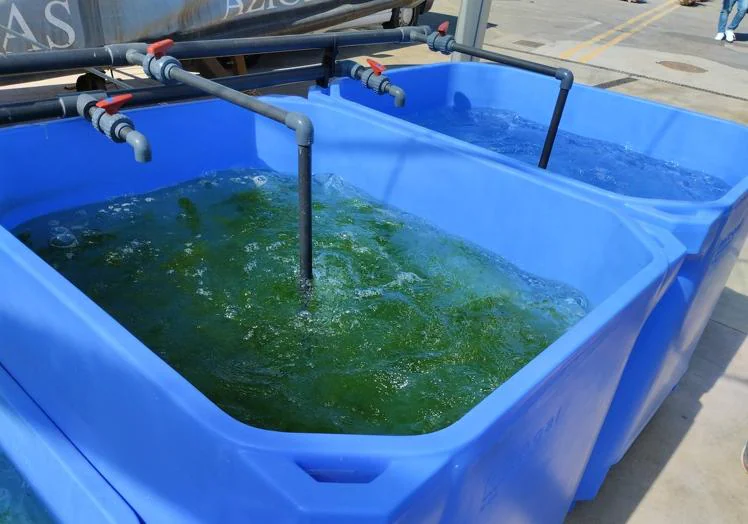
column 303, row 126
column 140, row 145
column 566, row 77
column 398, row 93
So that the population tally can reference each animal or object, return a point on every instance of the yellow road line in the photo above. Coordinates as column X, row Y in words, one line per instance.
column 574, row 50
column 628, row 34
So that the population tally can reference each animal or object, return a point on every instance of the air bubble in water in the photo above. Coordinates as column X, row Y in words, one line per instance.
column 260, row 180
column 92, row 236
column 62, row 238
column 230, row 312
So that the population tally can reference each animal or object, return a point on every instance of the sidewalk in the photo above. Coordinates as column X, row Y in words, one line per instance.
column 685, row 466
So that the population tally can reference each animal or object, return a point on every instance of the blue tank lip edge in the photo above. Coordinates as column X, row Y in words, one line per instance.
column 54, row 447
column 676, row 206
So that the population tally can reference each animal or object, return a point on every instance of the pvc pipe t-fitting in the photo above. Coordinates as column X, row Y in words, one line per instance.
column 159, row 68
column 439, row 42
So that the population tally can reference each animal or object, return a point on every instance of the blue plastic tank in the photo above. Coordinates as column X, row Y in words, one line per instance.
column 176, row 457
column 713, row 231
column 66, row 488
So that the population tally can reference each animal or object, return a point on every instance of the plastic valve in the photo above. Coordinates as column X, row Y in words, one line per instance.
column 113, row 105
column 375, row 66
column 443, row 28
column 160, row 48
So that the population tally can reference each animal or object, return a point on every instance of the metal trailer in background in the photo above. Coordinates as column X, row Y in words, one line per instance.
column 76, row 24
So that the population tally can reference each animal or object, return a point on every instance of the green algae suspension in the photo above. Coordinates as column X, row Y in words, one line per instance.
column 406, row 328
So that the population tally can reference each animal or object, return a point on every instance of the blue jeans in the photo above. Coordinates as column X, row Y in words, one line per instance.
column 727, row 6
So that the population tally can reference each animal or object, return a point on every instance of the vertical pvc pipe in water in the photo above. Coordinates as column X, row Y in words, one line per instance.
column 305, row 216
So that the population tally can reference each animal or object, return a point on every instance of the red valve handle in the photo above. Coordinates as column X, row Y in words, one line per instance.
column 443, row 28
column 113, row 105
column 375, row 66
column 160, row 48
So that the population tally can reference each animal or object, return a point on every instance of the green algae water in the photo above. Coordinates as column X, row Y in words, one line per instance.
column 18, row 503
column 406, row 328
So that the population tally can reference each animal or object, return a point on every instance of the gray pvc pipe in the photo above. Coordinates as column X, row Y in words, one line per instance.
column 65, row 106
column 228, row 94
column 272, row 44
column 116, row 128
column 397, row 93
column 305, row 217
column 139, row 144
column 115, row 54
column 356, row 71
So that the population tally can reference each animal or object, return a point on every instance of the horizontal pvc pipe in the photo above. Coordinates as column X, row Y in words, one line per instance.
column 115, row 55
column 64, row 106
column 230, row 95
column 58, row 60
column 272, row 44
column 519, row 63
column 36, row 110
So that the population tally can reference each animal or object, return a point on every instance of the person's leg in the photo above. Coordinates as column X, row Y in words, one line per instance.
column 739, row 15
column 723, row 18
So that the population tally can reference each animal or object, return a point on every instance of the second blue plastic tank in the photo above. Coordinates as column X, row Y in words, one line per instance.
column 712, row 231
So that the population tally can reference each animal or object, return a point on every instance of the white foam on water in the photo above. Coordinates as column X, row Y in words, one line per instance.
column 609, row 166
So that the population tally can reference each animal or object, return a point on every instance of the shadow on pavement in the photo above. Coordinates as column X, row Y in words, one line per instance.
column 629, row 481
